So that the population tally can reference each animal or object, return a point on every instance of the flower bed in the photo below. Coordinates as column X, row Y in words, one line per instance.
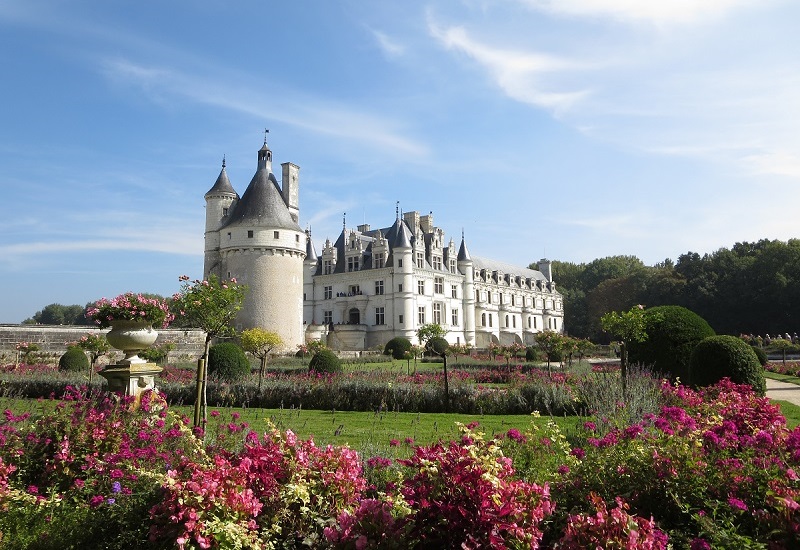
column 713, row 469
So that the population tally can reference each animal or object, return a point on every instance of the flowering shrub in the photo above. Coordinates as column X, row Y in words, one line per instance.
column 464, row 495
column 614, row 529
column 130, row 307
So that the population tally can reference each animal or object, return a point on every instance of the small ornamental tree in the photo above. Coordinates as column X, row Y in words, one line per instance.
column 260, row 343
column 24, row 351
column 431, row 338
column 629, row 326
column 783, row 346
column 97, row 346
column 551, row 343
column 211, row 306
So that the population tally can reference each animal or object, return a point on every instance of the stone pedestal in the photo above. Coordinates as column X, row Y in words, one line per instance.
column 131, row 379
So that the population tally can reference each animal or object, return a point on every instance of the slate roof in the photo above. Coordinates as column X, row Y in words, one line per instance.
column 222, row 185
column 262, row 205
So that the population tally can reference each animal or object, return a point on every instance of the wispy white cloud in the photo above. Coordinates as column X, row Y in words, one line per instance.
column 288, row 106
column 652, row 11
column 389, row 46
column 519, row 74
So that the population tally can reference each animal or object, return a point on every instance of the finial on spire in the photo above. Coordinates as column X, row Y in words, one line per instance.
column 266, row 131
column 223, row 161
column 397, row 210
column 344, row 221
column 462, row 233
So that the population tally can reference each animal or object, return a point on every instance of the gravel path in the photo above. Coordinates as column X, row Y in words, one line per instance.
column 783, row 391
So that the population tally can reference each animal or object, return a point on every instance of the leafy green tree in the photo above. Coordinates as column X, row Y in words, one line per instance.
column 97, row 346
column 629, row 326
column 431, row 338
column 58, row 314
column 551, row 344
column 211, row 306
column 260, row 343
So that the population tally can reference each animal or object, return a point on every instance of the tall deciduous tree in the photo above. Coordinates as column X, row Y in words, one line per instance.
column 210, row 305
column 260, row 343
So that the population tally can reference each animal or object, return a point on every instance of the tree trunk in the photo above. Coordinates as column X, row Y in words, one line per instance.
column 200, row 403
column 446, row 387
column 623, row 369
column 261, row 372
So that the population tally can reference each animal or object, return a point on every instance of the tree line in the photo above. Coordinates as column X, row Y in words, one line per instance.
column 751, row 288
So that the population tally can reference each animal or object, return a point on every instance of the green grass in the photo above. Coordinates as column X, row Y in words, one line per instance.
column 782, row 377
column 791, row 412
column 367, row 432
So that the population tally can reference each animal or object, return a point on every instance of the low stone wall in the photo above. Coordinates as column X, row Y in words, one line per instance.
column 53, row 340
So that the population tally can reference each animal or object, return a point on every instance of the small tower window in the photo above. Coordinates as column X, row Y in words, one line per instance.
column 276, row 234
column 224, row 211
column 249, row 233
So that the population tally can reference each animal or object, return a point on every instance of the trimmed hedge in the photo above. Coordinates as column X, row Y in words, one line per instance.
column 228, row 362
column 74, row 360
column 325, row 361
column 673, row 332
column 397, row 347
column 718, row 357
column 761, row 354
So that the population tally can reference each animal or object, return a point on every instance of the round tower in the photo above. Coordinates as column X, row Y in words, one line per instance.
column 464, row 262
column 403, row 253
column 262, row 246
column 220, row 199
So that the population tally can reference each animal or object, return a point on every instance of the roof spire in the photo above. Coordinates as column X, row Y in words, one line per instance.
column 223, row 160
column 266, row 131
column 397, row 210
column 344, row 221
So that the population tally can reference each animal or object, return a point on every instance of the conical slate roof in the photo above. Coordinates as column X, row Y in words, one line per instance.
column 222, row 185
column 463, row 253
column 311, row 252
column 262, row 205
column 402, row 237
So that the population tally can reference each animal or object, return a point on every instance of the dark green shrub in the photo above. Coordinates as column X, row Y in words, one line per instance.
column 227, row 361
column 531, row 354
column 325, row 361
column 74, row 360
column 438, row 346
column 761, row 354
column 555, row 356
column 673, row 332
column 717, row 357
column 397, row 347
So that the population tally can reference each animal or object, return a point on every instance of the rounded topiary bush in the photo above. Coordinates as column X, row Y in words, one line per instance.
column 325, row 361
column 761, row 354
column 397, row 347
column 672, row 334
column 74, row 360
column 531, row 354
column 718, row 357
column 438, row 346
column 227, row 361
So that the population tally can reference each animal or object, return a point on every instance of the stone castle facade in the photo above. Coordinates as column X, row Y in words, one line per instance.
column 370, row 285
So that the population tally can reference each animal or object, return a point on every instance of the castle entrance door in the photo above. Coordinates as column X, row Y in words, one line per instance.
column 354, row 317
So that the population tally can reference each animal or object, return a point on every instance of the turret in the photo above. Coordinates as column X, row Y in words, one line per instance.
column 402, row 252
column 220, row 200
column 546, row 268
column 464, row 262
column 309, row 270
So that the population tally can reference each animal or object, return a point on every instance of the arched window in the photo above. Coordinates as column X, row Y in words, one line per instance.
column 354, row 316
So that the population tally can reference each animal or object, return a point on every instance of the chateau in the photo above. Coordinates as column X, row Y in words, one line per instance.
column 370, row 285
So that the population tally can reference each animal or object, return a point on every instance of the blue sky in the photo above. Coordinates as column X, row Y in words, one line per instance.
column 572, row 129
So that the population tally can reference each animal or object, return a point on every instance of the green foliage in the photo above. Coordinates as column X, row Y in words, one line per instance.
column 438, row 345
column 227, row 361
column 325, row 361
column 397, row 347
column 58, row 314
column 628, row 326
column 761, row 354
column 427, row 332
column 157, row 354
column 718, row 357
column 531, row 354
column 73, row 360
column 673, row 332
column 209, row 305
column 551, row 344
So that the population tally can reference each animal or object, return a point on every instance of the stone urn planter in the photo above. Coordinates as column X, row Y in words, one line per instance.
column 131, row 337
column 131, row 375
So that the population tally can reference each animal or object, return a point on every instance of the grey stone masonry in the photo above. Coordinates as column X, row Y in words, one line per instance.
column 54, row 339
